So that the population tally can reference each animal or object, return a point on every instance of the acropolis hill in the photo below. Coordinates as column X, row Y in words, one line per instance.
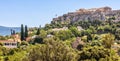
column 103, row 13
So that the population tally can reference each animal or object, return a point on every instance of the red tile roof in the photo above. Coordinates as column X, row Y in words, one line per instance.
column 3, row 41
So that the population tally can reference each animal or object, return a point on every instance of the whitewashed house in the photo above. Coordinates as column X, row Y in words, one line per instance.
column 9, row 44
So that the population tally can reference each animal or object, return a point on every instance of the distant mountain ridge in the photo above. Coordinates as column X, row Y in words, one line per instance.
column 7, row 30
column 3, row 27
column 103, row 13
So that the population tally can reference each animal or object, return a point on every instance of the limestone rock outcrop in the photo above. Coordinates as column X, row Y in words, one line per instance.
column 103, row 13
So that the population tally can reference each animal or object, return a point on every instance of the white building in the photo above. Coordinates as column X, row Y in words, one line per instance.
column 9, row 44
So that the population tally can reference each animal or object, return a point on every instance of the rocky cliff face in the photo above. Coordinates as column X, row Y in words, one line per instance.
column 103, row 13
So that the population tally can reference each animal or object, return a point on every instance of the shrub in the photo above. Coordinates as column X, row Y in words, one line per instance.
column 52, row 51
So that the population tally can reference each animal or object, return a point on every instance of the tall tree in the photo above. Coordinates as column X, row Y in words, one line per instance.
column 26, row 31
column 38, row 30
column 22, row 32
column 13, row 32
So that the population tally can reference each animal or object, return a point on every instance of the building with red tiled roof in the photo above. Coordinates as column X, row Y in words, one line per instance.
column 9, row 44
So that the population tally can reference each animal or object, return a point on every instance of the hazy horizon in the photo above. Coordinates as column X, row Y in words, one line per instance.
column 33, row 13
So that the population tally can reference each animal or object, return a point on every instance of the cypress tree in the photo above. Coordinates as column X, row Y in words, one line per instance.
column 22, row 32
column 38, row 30
column 26, row 31
column 11, row 32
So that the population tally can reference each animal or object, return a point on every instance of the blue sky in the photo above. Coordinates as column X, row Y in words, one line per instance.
column 33, row 13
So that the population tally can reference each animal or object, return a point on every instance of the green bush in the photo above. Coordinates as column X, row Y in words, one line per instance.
column 64, row 35
column 52, row 51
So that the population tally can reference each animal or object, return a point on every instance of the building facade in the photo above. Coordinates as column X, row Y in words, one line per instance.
column 9, row 44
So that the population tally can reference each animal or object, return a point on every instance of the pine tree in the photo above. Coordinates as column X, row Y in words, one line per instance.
column 26, row 31
column 22, row 32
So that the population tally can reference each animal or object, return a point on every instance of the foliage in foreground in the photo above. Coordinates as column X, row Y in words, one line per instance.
column 52, row 51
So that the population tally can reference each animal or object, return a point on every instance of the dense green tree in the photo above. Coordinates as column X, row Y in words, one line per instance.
column 43, row 33
column 92, row 29
column 52, row 50
column 37, row 40
column 13, row 32
column 38, row 30
column 117, row 34
column 100, row 30
column 96, row 43
column 108, row 39
column 64, row 34
column 97, row 53
column 49, row 26
column 107, row 28
column 19, row 56
column 22, row 32
column 75, row 31
column 26, row 31
column 24, row 43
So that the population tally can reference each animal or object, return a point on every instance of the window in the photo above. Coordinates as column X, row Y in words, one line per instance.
column 13, row 44
column 6, row 43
